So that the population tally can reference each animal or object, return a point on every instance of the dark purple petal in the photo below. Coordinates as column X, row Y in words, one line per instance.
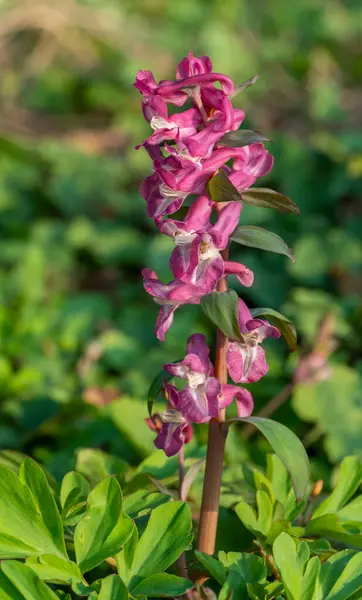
column 171, row 438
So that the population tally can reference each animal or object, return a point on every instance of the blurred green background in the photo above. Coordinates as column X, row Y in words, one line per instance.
column 77, row 348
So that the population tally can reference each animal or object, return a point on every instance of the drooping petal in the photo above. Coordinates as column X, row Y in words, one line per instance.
column 164, row 321
column 243, row 397
column 244, row 275
column 263, row 329
column 171, row 438
column 228, row 219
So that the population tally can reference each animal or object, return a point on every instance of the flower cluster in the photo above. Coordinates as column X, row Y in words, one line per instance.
column 187, row 151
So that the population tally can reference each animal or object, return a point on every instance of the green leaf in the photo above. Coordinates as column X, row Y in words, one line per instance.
column 215, row 567
column 242, row 137
column 289, row 449
column 33, row 476
column 26, row 528
column 222, row 310
column 310, row 581
column 221, row 189
column 26, row 582
column 234, row 587
column 73, row 496
column 262, row 523
column 291, row 563
column 332, row 569
column 7, row 590
column 113, row 588
column 142, row 501
column 54, row 569
column 330, row 526
column 350, row 477
column 167, row 535
column 162, row 585
column 103, row 530
column 155, row 389
column 71, row 481
column 124, row 558
column 285, row 326
column 266, row 198
column 257, row 237
column 350, row 580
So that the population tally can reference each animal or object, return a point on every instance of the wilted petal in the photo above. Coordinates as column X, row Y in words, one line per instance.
column 243, row 397
column 244, row 275
column 171, row 438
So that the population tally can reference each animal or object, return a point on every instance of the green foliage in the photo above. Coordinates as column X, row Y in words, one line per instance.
column 103, row 531
column 77, row 348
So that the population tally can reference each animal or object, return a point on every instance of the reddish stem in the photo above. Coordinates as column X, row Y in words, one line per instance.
column 209, row 512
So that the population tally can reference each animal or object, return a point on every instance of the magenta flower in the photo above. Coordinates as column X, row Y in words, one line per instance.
column 170, row 296
column 177, row 127
column 198, row 401
column 246, row 360
column 244, row 399
column 196, row 258
column 173, row 433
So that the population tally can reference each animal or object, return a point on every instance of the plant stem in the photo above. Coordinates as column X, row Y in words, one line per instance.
column 209, row 512
column 181, row 562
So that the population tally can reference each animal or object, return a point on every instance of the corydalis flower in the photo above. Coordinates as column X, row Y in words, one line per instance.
column 246, row 359
column 173, row 431
column 203, row 396
column 196, row 258
column 170, row 296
